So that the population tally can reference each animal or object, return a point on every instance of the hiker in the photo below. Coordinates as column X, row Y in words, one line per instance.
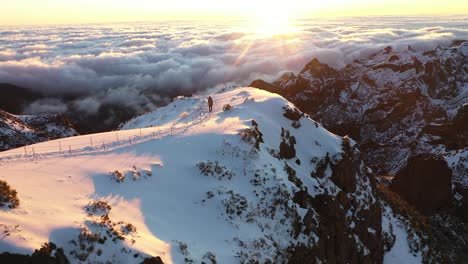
column 210, row 103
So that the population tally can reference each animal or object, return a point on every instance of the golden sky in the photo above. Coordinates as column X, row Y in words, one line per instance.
column 96, row 11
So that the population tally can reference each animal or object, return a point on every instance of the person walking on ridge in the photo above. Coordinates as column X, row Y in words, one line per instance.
column 210, row 103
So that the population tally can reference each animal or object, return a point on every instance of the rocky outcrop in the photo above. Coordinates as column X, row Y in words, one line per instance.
column 344, row 175
column 286, row 147
column 48, row 254
column 426, row 183
column 349, row 230
column 337, row 243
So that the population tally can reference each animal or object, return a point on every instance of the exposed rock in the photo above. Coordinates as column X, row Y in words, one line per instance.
column 41, row 256
column 344, row 175
column 426, row 183
column 153, row 260
column 337, row 243
column 462, row 210
column 265, row 86
column 287, row 150
column 342, row 225
column 292, row 114
column 317, row 69
column 302, row 199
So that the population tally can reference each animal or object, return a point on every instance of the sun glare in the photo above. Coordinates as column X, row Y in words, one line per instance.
column 274, row 20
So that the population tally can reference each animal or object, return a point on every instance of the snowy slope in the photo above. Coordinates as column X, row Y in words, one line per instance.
column 203, row 193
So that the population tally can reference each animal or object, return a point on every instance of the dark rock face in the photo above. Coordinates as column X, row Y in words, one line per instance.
column 42, row 256
column 339, row 219
column 337, row 243
column 15, row 258
column 462, row 209
column 344, row 175
column 287, row 150
column 265, row 86
column 153, row 260
column 426, row 183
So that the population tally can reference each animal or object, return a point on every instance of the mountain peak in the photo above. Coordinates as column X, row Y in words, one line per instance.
column 317, row 69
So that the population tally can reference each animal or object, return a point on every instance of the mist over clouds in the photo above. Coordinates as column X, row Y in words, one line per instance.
column 144, row 65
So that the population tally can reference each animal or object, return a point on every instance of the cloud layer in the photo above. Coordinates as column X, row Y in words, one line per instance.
column 144, row 65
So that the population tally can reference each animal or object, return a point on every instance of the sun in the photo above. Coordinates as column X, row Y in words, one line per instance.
column 274, row 19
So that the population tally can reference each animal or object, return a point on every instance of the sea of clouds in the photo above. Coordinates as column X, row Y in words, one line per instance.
column 143, row 65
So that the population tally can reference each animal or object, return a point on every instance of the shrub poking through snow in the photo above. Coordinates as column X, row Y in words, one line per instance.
column 8, row 196
column 98, row 208
column 209, row 258
column 252, row 134
column 227, row 107
column 213, row 168
column 133, row 173
column 137, row 174
column 235, row 204
column 128, row 228
column 117, row 176
column 47, row 251
column 292, row 176
column 98, row 231
column 184, row 250
column 296, row 124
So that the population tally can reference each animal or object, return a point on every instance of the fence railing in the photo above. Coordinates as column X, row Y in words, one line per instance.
column 102, row 142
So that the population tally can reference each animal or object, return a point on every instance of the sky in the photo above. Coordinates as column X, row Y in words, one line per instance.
column 174, row 47
column 100, row 11
column 145, row 64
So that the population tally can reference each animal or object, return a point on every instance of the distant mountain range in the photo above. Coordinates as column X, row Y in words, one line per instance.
column 16, row 100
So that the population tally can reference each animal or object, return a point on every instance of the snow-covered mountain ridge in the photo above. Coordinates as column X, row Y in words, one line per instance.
column 259, row 182
column 396, row 104
column 20, row 130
